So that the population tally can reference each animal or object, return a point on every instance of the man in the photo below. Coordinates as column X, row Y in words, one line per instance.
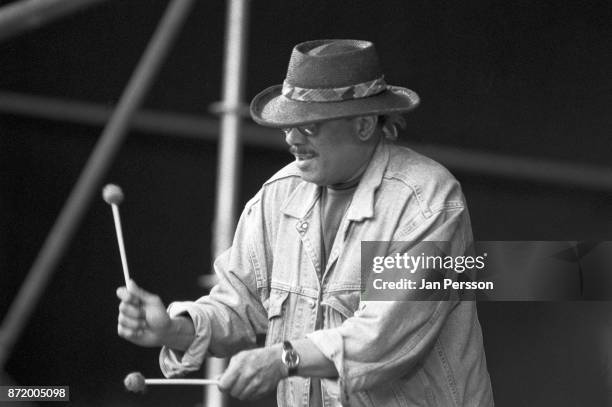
column 293, row 271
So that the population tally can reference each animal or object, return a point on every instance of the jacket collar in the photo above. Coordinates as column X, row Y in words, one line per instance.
column 362, row 205
column 301, row 200
column 306, row 194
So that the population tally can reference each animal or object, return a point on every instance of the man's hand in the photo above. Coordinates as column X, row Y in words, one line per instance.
column 143, row 319
column 253, row 373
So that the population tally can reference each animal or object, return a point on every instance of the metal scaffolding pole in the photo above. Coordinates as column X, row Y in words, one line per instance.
column 89, row 181
column 535, row 170
column 230, row 154
column 25, row 15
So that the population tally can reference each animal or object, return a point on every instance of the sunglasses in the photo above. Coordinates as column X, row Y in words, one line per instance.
column 307, row 130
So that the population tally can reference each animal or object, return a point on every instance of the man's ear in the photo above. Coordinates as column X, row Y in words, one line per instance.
column 365, row 127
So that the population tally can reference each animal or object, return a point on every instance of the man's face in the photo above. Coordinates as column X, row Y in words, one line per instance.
column 328, row 153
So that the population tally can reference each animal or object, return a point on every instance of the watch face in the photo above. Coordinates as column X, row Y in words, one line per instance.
column 290, row 358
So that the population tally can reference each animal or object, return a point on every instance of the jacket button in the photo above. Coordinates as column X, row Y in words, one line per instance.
column 312, row 304
column 302, row 226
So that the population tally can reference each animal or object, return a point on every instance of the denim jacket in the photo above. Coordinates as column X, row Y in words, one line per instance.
column 387, row 353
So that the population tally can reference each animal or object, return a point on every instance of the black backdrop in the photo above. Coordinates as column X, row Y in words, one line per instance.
column 520, row 78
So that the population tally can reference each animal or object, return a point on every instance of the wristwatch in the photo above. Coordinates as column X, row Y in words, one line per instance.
column 290, row 358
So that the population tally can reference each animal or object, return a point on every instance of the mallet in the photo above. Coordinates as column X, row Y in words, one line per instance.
column 113, row 195
column 137, row 383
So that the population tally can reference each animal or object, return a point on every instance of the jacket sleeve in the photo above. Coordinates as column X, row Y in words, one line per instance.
column 371, row 347
column 229, row 318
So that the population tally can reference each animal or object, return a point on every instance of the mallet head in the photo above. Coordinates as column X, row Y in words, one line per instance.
column 135, row 382
column 112, row 194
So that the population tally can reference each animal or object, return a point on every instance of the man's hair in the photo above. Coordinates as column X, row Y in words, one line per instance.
column 390, row 125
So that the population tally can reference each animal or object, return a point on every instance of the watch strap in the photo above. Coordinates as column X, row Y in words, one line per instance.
column 290, row 358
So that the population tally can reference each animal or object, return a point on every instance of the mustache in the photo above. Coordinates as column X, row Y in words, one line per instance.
column 297, row 150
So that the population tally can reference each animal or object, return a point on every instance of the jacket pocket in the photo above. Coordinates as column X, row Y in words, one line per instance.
column 341, row 305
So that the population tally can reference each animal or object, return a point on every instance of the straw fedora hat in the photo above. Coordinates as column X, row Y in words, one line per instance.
column 330, row 79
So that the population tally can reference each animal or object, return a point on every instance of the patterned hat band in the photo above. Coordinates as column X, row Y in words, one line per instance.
column 358, row 91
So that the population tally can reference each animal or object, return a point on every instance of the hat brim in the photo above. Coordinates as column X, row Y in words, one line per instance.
column 270, row 108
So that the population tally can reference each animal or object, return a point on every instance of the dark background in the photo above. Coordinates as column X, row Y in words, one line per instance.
column 520, row 78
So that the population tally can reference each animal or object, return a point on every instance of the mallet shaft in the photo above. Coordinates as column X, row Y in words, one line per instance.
column 126, row 273
column 192, row 382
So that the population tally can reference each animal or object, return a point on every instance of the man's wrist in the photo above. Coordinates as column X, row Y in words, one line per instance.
column 180, row 333
column 313, row 363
